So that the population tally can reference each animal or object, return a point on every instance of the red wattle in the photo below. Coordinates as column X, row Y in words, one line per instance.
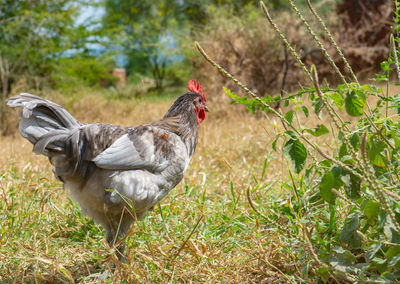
column 201, row 115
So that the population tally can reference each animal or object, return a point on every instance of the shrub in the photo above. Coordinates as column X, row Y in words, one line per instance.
column 84, row 70
column 248, row 48
column 341, row 218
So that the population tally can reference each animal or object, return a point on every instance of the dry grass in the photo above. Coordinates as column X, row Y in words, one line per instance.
column 44, row 238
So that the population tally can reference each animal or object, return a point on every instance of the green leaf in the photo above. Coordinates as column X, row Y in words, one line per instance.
column 325, row 187
column 375, row 153
column 344, row 256
column 389, row 228
column 394, row 262
column 378, row 260
column 286, row 104
column 338, row 266
column 337, row 99
column 371, row 209
column 332, row 218
column 351, row 184
column 355, row 102
column 349, row 233
column 230, row 94
column 372, row 251
column 318, row 131
column 337, row 172
column 323, row 273
column 396, row 103
column 275, row 141
column 317, row 106
column 393, row 255
column 355, row 141
column 343, row 260
column 289, row 116
column 325, row 163
column 277, row 98
column 347, row 160
column 291, row 134
column 305, row 110
column 343, row 150
column 296, row 152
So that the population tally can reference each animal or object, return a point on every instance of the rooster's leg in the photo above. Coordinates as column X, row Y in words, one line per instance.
column 116, row 231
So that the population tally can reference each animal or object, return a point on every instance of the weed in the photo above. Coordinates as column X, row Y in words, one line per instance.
column 342, row 216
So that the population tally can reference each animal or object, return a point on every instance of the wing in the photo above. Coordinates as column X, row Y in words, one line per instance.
column 143, row 147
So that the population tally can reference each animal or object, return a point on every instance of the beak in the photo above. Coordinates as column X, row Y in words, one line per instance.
column 206, row 108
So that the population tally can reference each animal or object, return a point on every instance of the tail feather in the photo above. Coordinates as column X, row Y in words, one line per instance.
column 33, row 105
column 42, row 121
column 53, row 132
column 46, row 121
column 53, row 141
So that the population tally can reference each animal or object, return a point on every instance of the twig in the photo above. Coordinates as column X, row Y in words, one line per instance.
column 188, row 237
column 269, row 108
column 250, row 200
column 317, row 41
column 332, row 40
column 396, row 59
column 285, row 70
column 280, row 271
column 285, row 41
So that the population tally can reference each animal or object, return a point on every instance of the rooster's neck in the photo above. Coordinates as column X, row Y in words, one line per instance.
column 185, row 126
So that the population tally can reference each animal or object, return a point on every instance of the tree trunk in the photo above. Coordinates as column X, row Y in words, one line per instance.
column 158, row 71
column 358, row 10
column 4, row 92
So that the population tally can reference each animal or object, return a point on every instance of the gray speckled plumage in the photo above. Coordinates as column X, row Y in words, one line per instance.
column 143, row 163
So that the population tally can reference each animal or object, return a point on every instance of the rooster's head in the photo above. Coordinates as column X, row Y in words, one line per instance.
column 191, row 106
column 199, row 102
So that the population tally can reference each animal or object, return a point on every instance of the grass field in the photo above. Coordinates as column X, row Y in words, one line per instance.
column 44, row 238
column 204, row 230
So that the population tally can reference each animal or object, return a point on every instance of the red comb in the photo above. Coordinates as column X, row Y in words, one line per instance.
column 194, row 86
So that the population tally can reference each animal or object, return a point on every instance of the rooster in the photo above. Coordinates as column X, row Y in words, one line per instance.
column 109, row 169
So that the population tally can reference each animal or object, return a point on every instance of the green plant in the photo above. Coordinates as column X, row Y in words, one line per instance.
column 84, row 70
column 40, row 38
column 342, row 211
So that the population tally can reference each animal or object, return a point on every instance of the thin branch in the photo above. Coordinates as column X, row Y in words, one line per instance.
column 396, row 59
column 285, row 41
column 269, row 108
column 317, row 41
column 188, row 237
column 332, row 40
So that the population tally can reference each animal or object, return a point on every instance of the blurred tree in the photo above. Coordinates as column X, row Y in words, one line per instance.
column 199, row 12
column 34, row 36
column 29, row 38
column 147, row 29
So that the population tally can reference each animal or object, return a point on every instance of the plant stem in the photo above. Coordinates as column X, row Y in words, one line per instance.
column 318, row 42
column 285, row 41
column 332, row 40
column 396, row 59
column 268, row 107
column 366, row 168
